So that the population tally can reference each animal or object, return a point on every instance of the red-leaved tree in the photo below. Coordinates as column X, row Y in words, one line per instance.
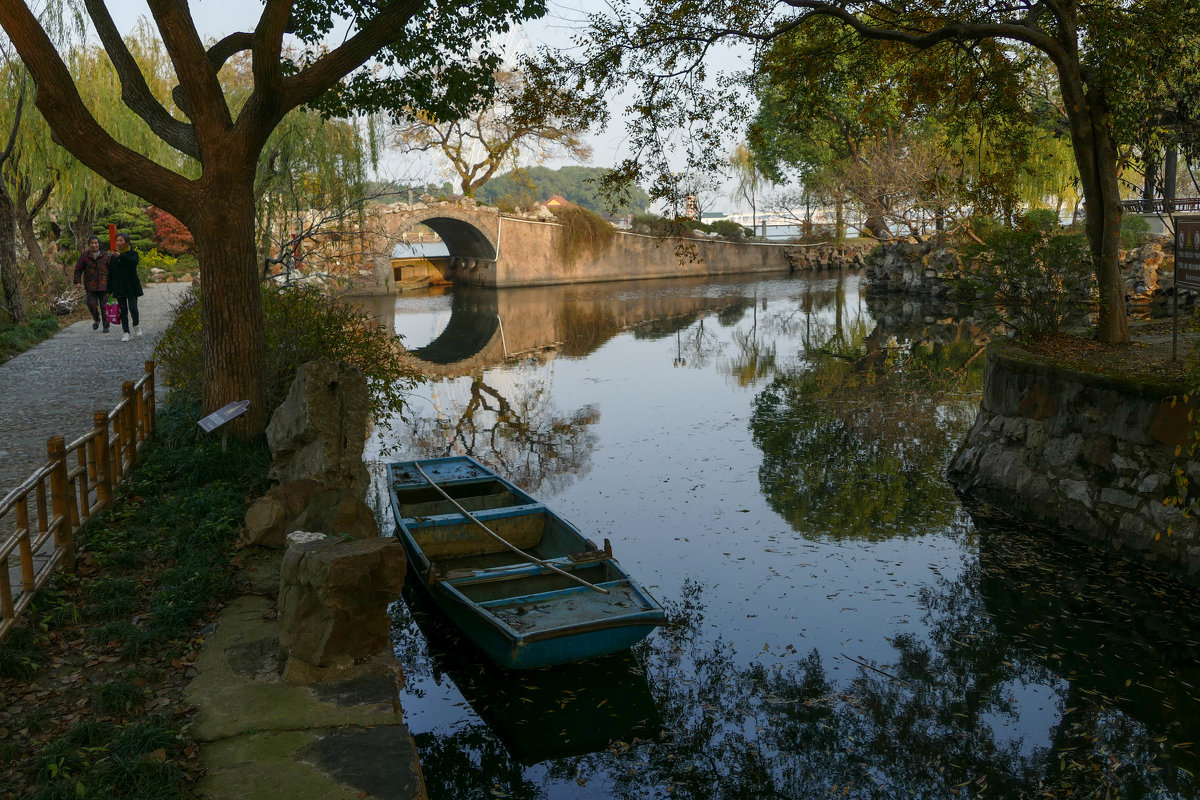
column 170, row 235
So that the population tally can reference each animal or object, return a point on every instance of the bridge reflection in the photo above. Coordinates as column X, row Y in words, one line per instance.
column 488, row 326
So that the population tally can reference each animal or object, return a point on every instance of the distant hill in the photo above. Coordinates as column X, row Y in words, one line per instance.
column 523, row 188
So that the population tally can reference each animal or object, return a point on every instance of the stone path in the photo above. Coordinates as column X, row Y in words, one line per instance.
column 53, row 388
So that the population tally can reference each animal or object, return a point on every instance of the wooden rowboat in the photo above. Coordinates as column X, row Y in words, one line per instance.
column 518, row 580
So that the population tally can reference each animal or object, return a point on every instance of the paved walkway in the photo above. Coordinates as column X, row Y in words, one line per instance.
column 53, row 388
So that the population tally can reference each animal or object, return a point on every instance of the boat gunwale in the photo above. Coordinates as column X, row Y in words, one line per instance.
column 651, row 615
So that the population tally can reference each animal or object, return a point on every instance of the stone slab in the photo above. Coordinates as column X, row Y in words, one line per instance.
column 234, row 698
column 315, row 764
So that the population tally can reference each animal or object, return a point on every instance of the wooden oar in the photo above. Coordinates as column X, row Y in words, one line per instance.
column 504, row 541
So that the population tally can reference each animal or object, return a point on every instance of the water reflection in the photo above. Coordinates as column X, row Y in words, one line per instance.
column 937, row 720
column 855, row 437
column 538, row 715
column 841, row 624
column 510, row 425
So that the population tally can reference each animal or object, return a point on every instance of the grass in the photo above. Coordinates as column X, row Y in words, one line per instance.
column 97, row 649
column 16, row 339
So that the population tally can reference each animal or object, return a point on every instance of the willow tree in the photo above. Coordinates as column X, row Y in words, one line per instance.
column 536, row 111
column 396, row 53
column 663, row 46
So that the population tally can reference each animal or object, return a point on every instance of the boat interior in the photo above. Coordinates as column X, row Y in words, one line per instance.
column 525, row 594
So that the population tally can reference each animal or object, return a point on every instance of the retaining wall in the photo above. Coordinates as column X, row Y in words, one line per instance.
column 1089, row 455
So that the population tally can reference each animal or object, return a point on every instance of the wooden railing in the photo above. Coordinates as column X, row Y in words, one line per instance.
column 77, row 482
column 1159, row 206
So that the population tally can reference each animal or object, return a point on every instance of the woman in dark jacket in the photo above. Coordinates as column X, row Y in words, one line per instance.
column 92, row 267
column 124, row 284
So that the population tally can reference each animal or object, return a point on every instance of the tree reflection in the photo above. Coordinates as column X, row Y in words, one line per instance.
column 952, row 714
column 855, row 438
column 514, row 430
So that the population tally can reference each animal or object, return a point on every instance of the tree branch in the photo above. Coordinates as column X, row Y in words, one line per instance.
column 205, row 101
column 134, row 91
column 74, row 126
column 311, row 83
column 225, row 49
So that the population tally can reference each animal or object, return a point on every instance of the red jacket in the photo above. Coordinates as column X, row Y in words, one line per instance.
column 94, row 269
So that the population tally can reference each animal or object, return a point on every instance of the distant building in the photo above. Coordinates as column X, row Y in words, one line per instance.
column 557, row 201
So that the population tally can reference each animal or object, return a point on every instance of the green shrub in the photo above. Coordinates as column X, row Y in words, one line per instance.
column 1037, row 274
column 302, row 324
column 729, row 229
column 1135, row 231
column 152, row 259
column 15, row 339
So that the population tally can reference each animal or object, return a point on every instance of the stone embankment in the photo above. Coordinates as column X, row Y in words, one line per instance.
column 298, row 698
column 847, row 255
column 1082, row 453
column 933, row 270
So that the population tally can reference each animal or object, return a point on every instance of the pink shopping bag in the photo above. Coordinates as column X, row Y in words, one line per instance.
column 112, row 312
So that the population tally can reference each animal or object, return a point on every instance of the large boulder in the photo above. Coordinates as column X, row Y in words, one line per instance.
column 333, row 600
column 309, row 506
column 318, row 432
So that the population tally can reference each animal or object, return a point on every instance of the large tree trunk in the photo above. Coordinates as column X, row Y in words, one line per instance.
column 233, row 332
column 1096, row 157
column 10, row 276
column 25, row 212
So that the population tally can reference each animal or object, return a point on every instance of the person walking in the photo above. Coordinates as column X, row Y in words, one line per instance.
column 125, row 285
column 92, row 268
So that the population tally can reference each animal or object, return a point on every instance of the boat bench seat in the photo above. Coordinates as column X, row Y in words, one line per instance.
column 448, row 536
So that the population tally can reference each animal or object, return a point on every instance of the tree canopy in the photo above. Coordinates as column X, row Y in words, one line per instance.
column 535, row 113
column 663, row 47
column 396, row 54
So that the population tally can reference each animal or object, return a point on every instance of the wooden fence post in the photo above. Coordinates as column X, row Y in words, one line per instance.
column 25, row 545
column 128, row 425
column 104, row 485
column 151, row 400
column 60, row 500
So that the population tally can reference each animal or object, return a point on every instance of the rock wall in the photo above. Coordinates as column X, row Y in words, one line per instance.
column 1081, row 453
column 933, row 270
column 919, row 268
column 848, row 255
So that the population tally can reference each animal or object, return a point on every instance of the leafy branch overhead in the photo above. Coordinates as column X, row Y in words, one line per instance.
column 1097, row 50
column 384, row 57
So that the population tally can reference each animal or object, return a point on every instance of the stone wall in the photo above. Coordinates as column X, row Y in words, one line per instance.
column 1081, row 453
column 929, row 269
column 919, row 268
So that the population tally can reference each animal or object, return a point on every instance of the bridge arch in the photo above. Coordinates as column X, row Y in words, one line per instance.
column 466, row 233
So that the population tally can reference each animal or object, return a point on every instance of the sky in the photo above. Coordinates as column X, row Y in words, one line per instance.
column 218, row 18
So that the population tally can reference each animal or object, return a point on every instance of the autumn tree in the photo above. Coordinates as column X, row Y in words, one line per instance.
column 536, row 112
column 170, row 235
column 663, row 45
column 399, row 53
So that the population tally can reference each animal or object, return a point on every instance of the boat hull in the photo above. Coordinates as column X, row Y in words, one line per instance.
column 565, row 602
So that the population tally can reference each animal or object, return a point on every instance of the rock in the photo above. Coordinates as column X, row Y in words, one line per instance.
column 338, row 512
column 333, row 599
column 318, row 432
column 307, row 505
column 270, row 517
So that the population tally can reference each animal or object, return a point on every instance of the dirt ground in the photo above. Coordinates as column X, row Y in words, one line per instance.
column 1147, row 356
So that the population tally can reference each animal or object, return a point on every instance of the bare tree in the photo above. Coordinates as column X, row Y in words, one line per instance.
column 535, row 112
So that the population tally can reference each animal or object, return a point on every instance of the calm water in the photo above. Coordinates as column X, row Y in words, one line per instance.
column 766, row 457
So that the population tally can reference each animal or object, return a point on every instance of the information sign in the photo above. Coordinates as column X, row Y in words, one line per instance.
column 1187, row 253
column 223, row 415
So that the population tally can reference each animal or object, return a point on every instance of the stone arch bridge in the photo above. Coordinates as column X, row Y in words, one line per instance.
column 487, row 248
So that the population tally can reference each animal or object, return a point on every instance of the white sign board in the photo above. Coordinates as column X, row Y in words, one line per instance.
column 223, row 415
